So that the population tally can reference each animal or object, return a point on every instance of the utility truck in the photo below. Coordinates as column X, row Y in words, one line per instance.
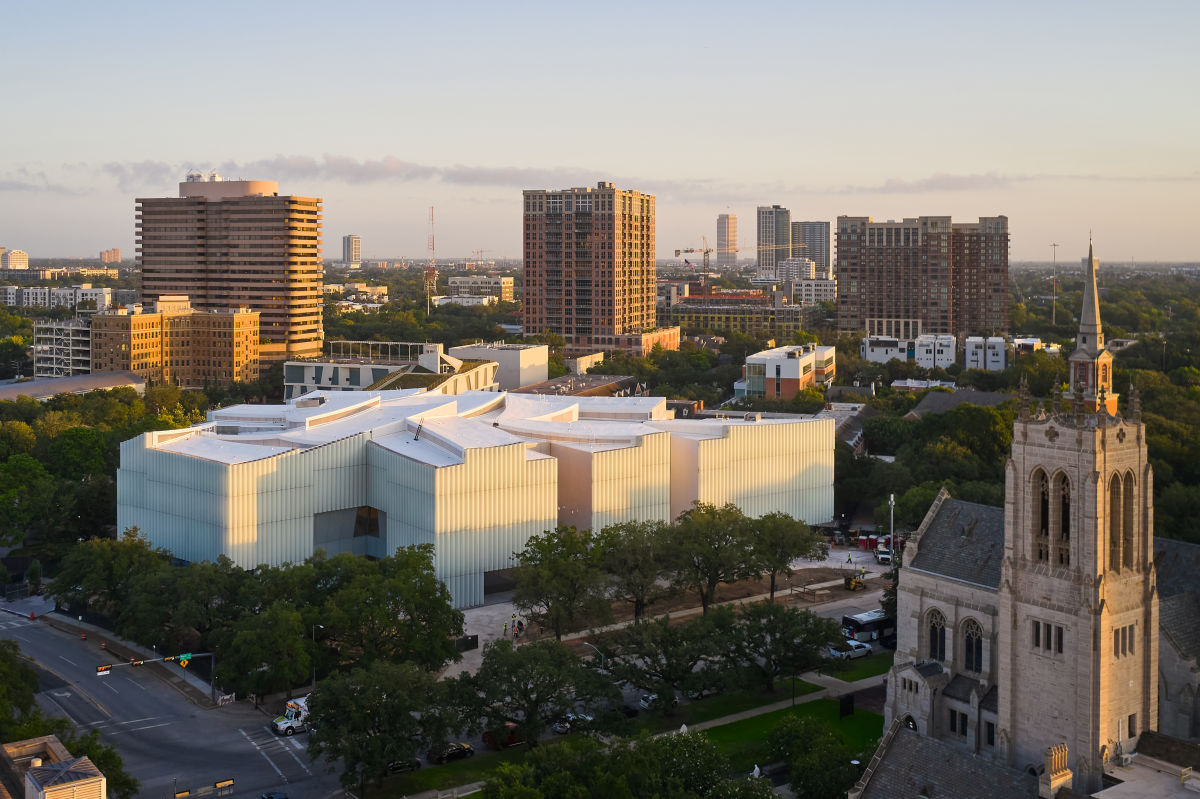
column 294, row 718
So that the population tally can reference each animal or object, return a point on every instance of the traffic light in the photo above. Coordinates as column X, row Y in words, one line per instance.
column 104, row 671
column 135, row 662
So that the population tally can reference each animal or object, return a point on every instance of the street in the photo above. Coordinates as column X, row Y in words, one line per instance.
column 168, row 743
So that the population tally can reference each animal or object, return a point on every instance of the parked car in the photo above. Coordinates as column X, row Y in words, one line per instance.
column 451, row 751
column 508, row 736
column 572, row 721
column 849, row 649
column 398, row 766
column 274, row 795
column 653, row 701
column 883, row 555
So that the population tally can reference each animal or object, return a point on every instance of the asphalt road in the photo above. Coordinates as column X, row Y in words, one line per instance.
column 167, row 743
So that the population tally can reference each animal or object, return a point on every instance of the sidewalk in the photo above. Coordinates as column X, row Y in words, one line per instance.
column 488, row 621
column 116, row 650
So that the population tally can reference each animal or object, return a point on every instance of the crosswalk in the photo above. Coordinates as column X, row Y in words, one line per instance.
column 10, row 623
column 288, row 756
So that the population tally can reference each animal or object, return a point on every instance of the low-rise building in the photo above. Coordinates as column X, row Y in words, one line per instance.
column 881, row 349
column 769, row 320
column 175, row 343
column 519, row 364
column 785, row 371
column 475, row 475
column 379, row 365
column 42, row 768
column 62, row 347
column 938, row 352
column 990, row 354
column 357, row 291
column 481, row 285
column 468, row 300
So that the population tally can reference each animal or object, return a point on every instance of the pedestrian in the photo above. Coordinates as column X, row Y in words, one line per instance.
column 849, row 557
column 505, row 629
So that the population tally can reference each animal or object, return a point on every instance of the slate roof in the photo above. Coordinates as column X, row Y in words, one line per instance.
column 960, row 688
column 928, row 668
column 942, row 401
column 1177, row 566
column 991, row 700
column 964, row 541
column 913, row 766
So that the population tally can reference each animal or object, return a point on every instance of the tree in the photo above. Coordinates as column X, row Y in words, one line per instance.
column 102, row 571
column 371, row 716
column 664, row 658
column 634, row 557
column 777, row 539
column 398, row 610
column 33, row 575
column 771, row 641
column 818, row 762
column 559, row 583
column 265, row 652
column 530, row 686
column 28, row 499
column 18, row 685
column 709, row 547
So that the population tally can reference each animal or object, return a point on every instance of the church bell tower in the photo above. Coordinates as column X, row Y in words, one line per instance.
column 1077, row 599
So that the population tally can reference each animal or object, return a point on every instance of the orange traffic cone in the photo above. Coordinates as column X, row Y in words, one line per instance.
column 31, row 615
column 83, row 635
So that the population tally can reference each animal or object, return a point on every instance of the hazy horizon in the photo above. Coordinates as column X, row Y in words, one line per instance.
column 1067, row 118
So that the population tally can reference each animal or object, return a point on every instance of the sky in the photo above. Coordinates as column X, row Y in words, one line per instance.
column 1067, row 117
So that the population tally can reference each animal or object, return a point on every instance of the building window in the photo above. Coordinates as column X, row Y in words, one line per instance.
column 953, row 721
column 990, row 730
column 1058, row 640
column 1132, row 731
column 1037, row 634
column 1041, row 516
column 973, row 646
column 937, row 636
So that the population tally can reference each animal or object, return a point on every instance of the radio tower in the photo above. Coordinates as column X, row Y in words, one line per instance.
column 431, row 270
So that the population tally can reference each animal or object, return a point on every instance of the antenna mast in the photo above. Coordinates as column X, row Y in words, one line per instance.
column 1053, row 281
column 431, row 270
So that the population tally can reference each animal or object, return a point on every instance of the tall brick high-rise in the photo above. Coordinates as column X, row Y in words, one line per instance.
column 237, row 243
column 923, row 275
column 589, row 269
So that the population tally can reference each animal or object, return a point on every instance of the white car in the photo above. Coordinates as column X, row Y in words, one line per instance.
column 849, row 650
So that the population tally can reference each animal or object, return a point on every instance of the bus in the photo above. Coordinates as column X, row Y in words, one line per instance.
column 869, row 626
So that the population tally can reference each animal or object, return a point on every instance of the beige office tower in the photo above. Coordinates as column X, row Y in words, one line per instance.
column 727, row 240
column 589, row 269
column 237, row 243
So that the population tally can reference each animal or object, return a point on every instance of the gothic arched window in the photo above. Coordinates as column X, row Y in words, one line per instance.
column 937, row 636
column 1063, row 544
column 1116, row 520
column 972, row 646
column 1041, row 516
column 1127, row 521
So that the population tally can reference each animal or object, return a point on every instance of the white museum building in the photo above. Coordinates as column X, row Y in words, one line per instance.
column 475, row 475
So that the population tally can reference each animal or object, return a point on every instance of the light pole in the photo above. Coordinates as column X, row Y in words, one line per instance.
column 314, row 659
column 597, row 651
column 892, row 521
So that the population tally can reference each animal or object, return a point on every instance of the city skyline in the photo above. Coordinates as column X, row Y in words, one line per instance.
column 1063, row 121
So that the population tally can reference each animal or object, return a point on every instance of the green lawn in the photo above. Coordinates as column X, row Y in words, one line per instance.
column 451, row 775
column 715, row 707
column 745, row 742
column 871, row 665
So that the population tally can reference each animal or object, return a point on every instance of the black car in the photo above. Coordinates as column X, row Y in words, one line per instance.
column 451, row 751
column 274, row 795
column 398, row 766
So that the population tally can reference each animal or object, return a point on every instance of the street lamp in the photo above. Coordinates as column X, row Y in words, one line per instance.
column 597, row 651
column 314, row 660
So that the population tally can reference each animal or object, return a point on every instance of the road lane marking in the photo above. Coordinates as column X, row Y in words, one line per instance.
column 264, row 754
column 296, row 744
column 135, row 682
column 109, row 687
column 60, row 657
column 135, row 729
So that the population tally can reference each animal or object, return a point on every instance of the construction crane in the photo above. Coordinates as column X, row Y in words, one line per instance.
column 706, row 251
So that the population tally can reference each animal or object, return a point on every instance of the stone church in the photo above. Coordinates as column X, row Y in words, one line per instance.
column 1033, row 630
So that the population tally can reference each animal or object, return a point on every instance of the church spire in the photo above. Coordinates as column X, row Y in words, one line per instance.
column 1090, row 337
column 1091, row 363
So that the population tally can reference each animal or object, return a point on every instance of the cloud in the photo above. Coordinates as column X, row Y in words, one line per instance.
column 23, row 179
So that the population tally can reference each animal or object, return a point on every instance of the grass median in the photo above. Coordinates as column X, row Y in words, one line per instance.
column 870, row 666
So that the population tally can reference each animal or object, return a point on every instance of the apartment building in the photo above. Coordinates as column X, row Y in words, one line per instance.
column 784, row 371
column 482, row 286
column 172, row 342
column 774, row 237
column 62, row 347
column 238, row 243
column 923, row 275
column 589, row 269
column 727, row 240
